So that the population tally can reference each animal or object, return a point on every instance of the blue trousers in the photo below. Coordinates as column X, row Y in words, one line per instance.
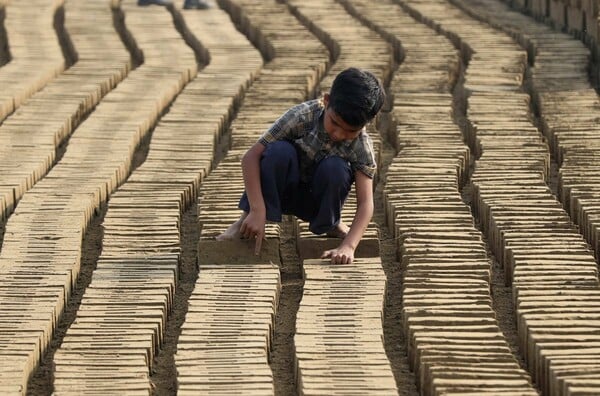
column 319, row 201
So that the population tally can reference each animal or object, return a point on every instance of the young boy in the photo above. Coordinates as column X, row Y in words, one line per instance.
column 306, row 162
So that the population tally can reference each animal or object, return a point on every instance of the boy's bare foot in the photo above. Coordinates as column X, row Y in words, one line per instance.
column 233, row 231
column 339, row 231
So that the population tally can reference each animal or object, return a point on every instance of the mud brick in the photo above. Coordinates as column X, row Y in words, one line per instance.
column 339, row 321
column 211, row 251
column 312, row 246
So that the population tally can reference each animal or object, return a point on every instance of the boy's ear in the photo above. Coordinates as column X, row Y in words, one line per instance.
column 326, row 100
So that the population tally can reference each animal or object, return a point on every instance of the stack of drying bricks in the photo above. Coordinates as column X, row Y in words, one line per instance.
column 35, row 54
column 554, row 274
column 40, row 258
column 355, row 46
column 32, row 134
column 132, row 289
column 229, row 324
column 454, row 342
column 579, row 17
column 339, row 335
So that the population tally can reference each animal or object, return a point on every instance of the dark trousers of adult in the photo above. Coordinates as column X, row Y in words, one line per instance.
column 319, row 201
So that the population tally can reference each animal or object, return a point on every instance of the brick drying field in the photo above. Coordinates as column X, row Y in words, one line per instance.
column 121, row 133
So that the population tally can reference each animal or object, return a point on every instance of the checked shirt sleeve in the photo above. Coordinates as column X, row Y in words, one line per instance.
column 286, row 126
column 364, row 156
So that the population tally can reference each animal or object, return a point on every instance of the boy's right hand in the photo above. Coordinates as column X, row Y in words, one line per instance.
column 253, row 227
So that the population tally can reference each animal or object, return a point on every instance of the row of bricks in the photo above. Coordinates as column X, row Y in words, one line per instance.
column 44, row 236
column 231, row 171
column 339, row 334
column 537, row 165
column 454, row 342
column 338, row 340
column 34, row 55
column 579, row 17
column 32, row 135
column 226, row 338
column 142, row 223
column 544, row 256
column 544, row 313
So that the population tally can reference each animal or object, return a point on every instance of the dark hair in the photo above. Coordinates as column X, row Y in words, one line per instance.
column 356, row 96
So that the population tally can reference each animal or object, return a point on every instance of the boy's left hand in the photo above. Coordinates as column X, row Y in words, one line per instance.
column 340, row 255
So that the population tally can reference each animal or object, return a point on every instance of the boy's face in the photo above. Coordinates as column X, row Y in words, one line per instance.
column 337, row 129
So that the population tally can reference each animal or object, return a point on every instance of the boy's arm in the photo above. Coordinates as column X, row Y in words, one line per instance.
column 253, row 225
column 344, row 254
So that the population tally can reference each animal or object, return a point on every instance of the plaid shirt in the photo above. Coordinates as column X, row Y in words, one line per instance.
column 302, row 125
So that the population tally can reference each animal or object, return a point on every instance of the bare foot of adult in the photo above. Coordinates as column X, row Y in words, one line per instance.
column 339, row 231
column 233, row 231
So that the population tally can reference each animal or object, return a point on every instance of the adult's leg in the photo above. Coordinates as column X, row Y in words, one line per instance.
column 197, row 4
column 331, row 185
column 157, row 2
column 279, row 177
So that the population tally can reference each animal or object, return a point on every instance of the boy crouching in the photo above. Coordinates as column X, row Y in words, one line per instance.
column 307, row 161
